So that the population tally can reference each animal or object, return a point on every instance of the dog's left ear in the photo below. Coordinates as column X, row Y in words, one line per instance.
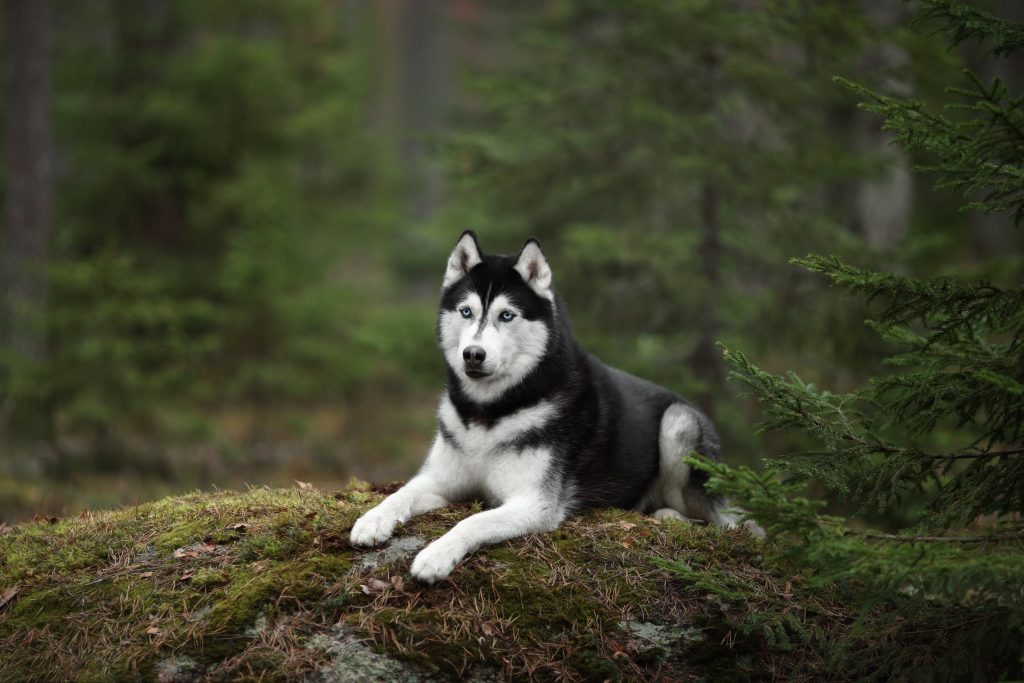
column 534, row 269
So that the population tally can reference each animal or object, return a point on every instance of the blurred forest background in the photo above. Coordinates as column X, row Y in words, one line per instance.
column 225, row 223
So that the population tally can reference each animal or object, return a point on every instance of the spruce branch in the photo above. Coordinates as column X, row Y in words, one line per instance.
column 979, row 152
column 905, row 538
column 855, row 460
column 963, row 22
column 945, row 303
column 978, row 455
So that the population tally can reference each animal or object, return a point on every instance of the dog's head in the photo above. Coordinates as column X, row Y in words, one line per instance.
column 495, row 316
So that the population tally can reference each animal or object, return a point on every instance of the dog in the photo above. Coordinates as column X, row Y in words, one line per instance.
column 535, row 426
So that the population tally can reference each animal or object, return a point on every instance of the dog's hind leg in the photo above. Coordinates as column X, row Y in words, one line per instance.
column 678, row 493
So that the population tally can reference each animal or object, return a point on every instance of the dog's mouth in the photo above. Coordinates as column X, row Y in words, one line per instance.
column 474, row 373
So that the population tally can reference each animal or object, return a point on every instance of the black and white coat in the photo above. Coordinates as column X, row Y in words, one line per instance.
column 535, row 426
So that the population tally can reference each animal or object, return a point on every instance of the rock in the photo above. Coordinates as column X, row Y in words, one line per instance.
column 172, row 591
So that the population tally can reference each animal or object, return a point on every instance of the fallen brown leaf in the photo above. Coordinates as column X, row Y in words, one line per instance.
column 304, row 485
column 398, row 582
column 145, row 575
column 374, row 586
column 626, row 525
column 153, row 630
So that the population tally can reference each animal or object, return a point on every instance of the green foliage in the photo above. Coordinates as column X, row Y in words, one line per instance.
column 678, row 167
column 978, row 154
column 860, row 603
column 232, row 154
column 962, row 366
column 219, row 182
column 964, row 22
column 979, row 142
column 859, row 453
column 122, row 343
column 943, row 429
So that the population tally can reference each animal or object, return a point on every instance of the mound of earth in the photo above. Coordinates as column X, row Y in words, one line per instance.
column 263, row 585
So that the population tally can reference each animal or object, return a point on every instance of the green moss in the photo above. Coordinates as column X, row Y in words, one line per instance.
column 259, row 575
column 45, row 607
column 112, row 584
column 207, row 577
column 254, row 557
column 592, row 664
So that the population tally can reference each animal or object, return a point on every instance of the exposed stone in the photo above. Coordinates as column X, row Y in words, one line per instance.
column 354, row 662
column 400, row 548
column 177, row 669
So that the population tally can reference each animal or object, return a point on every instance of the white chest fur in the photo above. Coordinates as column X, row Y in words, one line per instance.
column 485, row 461
column 479, row 439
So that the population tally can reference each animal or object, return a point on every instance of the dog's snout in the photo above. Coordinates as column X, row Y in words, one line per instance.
column 474, row 356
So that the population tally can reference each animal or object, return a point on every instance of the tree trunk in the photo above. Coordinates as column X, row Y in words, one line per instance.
column 882, row 206
column 144, row 34
column 705, row 361
column 418, row 87
column 28, row 216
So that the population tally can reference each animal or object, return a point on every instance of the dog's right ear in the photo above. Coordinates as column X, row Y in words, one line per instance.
column 464, row 257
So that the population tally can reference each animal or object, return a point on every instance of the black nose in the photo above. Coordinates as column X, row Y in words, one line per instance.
column 474, row 356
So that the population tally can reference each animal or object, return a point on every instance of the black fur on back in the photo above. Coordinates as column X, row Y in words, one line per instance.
column 604, row 436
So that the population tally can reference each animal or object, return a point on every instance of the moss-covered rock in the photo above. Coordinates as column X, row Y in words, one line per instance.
column 263, row 585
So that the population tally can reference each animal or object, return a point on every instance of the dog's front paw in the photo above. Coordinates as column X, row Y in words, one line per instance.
column 372, row 528
column 436, row 561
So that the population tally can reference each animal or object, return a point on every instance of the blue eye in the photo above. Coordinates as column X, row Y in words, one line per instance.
column 466, row 312
column 507, row 315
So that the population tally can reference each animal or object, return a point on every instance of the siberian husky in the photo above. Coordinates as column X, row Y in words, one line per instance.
column 535, row 426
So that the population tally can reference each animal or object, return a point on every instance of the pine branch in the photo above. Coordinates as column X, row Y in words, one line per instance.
column 980, row 153
column 963, row 22
column 853, row 458
column 983, row 454
column 903, row 538
column 945, row 304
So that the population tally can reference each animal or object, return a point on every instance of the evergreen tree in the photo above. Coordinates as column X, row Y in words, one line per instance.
column 946, row 427
column 676, row 152
column 215, row 176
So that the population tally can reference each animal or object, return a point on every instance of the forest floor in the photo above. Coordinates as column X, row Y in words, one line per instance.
column 228, row 447
column 263, row 585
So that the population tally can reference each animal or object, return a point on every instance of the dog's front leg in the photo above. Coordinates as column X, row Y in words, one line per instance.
column 424, row 492
column 517, row 517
